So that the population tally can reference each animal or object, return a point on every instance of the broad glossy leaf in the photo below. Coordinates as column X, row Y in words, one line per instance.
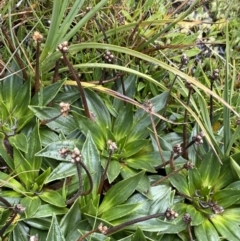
column 32, row 204
column 22, row 100
column 227, row 228
column 40, row 180
column 144, row 184
column 20, row 141
column 194, row 181
column 119, row 211
column 52, row 197
column 209, row 169
column 34, row 147
column 39, row 223
column 9, row 88
column 113, row 171
column 9, row 181
column 235, row 167
column 70, row 218
column 196, row 216
column 226, row 197
column 47, row 136
column 55, row 232
column 225, row 177
column 47, row 210
column 134, row 147
column 61, row 124
column 123, row 122
column 61, row 171
column 87, row 125
column 52, row 150
column 98, row 109
column 206, row 231
column 120, row 192
column 20, row 232
column 48, row 93
column 138, row 235
column 4, row 153
column 139, row 163
column 91, row 159
column 142, row 119
column 179, row 181
column 23, row 169
column 232, row 214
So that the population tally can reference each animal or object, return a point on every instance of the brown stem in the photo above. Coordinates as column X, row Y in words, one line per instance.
column 176, row 157
column 13, row 50
column 105, row 173
column 80, row 192
column 80, row 88
column 123, row 225
column 88, row 234
column 4, row 228
column 171, row 161
column 44, row 122
column 190, row 232
column 133, row 221
column 169, row 175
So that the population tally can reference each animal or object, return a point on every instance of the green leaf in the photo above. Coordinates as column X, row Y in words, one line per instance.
column 9, row 181
column 206, row 231
column 120, row 192
column 20, row 232
column 232, row 214
column 179, row 181
column 47, row 210
column 226, row 197
column 140, row 163
column 235, row 167
column 70, row 218
column 34, row 147
column 23, row 169
column 61, row 171
column 227, row 228
column 40, row 180
column 194, row 181
column 32, row 204
column 5, row 153
column 134, row 147
column 209, row 169
column 91, row 158
column 113, row 171
column 55, row 232
column 196, row 216
column 19, row 141
column 123, row 122
column 144, row 184
column 98, row 109
column 86, row 125
column 22, row 100
column 53, row 198
column 61, row 124
column 48, row 93
column 138, row 235
column 9, row 88
column 119, row 211
column 52, row 150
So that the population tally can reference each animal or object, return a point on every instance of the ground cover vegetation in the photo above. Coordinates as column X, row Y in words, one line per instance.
column 119, row 120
